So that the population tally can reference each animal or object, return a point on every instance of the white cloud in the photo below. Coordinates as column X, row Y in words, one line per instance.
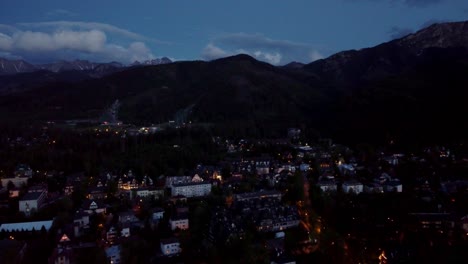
column 84, row 41
column 273, row 51
column 272, row 58
column 5, row 42
column 211, row 52
column 80, row 25
column 61, row 41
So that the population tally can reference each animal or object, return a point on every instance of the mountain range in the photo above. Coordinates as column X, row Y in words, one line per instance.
column 411, row 89
column 100, row 69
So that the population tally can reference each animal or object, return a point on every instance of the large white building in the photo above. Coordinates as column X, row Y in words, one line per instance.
column 192, row 189
column 31, row 201
column 170, row 246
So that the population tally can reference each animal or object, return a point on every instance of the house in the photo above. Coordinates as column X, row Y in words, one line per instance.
column 304, row 167
column 393, row 186
column 352, row 187
column 63, row 253
column 17, row 181
column 192, row 189
column 146, row 192
column 14, row 192
column 81, row 219
column 373, row 188
column 158, row 214
column 111, row 235
column 113, row 254
column 171, row 180
column 128, row 217
column 180, row 221
column 258, row 195
column 327, row 185
column 23, row 170
column 125, row 231
column 80, row 222
column 93, row 207
column 170, row 246
column 96, row 193
column 31, row 201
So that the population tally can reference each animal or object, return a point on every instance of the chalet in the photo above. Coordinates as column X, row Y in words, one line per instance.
column 93, row 207
column 63, row 253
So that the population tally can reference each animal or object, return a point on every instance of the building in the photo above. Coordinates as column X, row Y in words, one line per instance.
column 257, row 195
column 393, row 186
column 91, row 206
column 180, row 221
column 31, row 201
column 304, row 167
column 373, row 188
column 192, row 189
column 26, row 226
column 147, row 192
column 63, row 253
column 97, row 193
column 17, row 181
column 170, row 246
column 327, row 185
column 113, row 254
column 171, row 180
column 158, row 214
column 352, row 187
column 23, row 170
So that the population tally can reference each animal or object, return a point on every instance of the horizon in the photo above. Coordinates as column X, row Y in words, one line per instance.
column 277, row 33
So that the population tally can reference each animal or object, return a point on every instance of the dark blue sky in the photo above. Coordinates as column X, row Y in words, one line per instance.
column 271, row 30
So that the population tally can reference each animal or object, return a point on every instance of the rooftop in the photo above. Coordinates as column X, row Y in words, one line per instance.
column 167, row 241
column 27, row 226
column 31, row 196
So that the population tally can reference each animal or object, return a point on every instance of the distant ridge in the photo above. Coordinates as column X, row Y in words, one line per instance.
column 97, row 69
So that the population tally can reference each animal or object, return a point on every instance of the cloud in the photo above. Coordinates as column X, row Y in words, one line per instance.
column 211, row 52
column 263, row 48
column 80, row 25
column 399, row 32
column 64, row 43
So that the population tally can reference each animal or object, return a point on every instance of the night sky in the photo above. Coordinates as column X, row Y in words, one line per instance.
column 274, row 31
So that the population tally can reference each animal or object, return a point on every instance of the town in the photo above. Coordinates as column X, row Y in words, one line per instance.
column 182, row 194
